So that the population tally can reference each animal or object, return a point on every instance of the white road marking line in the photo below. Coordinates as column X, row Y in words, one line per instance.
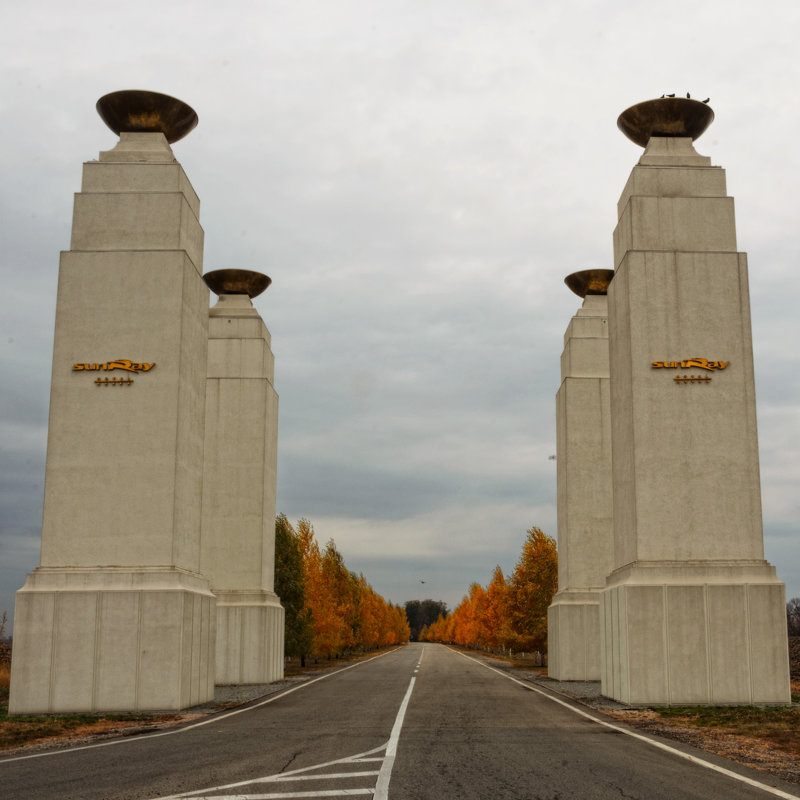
column 281, row 775
column 660, row 745
column 328, row 776
column 203, row 794
column 382, row 787
column 211, row 720
column 285, row 796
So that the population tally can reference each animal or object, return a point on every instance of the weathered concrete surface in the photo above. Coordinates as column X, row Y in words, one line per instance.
column 118, row 616
column 585, row 535
column 239, row 478
column 691, row 613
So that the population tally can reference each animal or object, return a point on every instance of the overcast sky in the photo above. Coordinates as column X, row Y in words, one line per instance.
column 417, row 178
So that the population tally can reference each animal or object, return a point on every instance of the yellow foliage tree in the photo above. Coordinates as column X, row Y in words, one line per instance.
column 510, row 612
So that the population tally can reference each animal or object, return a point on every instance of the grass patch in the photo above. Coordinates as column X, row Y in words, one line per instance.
column 18, row 731
column 777, row 726
column 745, row 718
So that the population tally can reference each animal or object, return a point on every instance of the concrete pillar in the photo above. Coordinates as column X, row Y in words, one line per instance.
column 240, row 463
column 691, row 613
column 117, row 616
column 583, row 447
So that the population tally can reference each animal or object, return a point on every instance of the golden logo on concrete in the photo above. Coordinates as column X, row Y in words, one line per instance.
column 120, row 363
column 113, row 381
column 691, row 363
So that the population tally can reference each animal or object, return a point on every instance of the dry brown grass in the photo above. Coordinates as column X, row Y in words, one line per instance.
column 766, row 738
column 22, row 731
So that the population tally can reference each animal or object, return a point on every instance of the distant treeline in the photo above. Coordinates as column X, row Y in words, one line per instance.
column 793, row 616
column 329, row 609
column 511, row 611
column 422, row 614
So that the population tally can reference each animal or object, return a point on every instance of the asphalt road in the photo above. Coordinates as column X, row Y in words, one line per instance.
column 422, row 722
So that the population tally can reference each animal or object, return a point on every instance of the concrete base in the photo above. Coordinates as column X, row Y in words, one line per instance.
column 695, row 633
column 249, row 637
column 106, row 639
column 573, row 636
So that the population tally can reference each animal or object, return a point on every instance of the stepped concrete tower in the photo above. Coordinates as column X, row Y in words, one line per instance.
column 691, row 613
column 583, row 447
column 118, row 616
column 240, row 464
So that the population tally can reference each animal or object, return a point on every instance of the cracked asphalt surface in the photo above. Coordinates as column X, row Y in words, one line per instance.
column 469, row 732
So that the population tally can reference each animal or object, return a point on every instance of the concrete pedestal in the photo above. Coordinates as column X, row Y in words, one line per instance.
column 238, row 527
column 93, row 639
column 692, row 613
column 585, row 543
column 118, row 616
column 695, row 633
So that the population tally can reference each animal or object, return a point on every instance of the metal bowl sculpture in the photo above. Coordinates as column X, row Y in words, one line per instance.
column 237, row 281
column 665, row 116
column 134, row 110
column 590, row 281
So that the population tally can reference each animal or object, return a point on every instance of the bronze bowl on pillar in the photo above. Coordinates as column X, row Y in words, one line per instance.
column 590, row 281
column 138, row 111
column 237, row 281
column 665, row 116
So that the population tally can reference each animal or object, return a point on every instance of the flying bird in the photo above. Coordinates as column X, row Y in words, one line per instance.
column 422, row 581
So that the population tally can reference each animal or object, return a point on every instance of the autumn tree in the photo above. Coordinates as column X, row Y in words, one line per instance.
column 534, row 581
column 341, row 611
column 290, row 586
column 511, row 612
column 497, row 619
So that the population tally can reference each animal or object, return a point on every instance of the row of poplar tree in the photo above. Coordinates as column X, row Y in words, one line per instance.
column 510, row 613
column 329, row 609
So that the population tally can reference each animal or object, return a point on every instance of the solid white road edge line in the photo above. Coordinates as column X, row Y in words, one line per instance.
column 212, row 719
column 654, row 743
column 285, row 796
column 382, row 786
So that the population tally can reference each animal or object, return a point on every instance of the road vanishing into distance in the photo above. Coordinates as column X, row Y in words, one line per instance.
column 421, row 722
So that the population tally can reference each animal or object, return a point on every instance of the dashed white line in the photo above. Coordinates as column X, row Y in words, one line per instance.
column 660, row 745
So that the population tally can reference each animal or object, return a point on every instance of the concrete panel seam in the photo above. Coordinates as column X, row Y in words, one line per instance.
column 750, row 675
column 709, row 651
column 53, row 629
column 138, row 670
column 98, row 609
column 665, row 637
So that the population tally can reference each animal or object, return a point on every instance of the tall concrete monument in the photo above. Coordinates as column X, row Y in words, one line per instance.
column 583, row 447
column 240, row 464
column 691, row 613
column 118, row 614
